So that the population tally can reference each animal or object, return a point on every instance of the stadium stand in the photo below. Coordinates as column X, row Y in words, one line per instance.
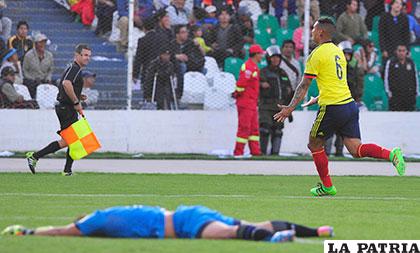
column 58, row 23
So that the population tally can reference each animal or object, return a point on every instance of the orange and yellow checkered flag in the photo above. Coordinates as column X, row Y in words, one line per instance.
column 80, row 139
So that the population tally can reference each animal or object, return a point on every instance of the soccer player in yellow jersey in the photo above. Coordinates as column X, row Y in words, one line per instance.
column 337, row 113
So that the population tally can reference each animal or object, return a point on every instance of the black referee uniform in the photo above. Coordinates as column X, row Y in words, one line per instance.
column 65, row 111
column 67, row 108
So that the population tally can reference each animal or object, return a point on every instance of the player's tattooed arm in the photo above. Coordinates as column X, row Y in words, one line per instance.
column 286, row 111
column 300, row 92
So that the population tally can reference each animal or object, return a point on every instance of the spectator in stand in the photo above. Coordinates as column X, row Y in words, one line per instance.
column 298, row 36
column 350, row 25
column 164, row 33
column 21, row 41
column 210, row 20
column 122, row 8
column 5, row 22
column 104, row 10
column 147, row 50
column 10, row 59
column 401, row 81
column 198, row 39
column 290, row 64
column 38, row 65
column 186, row 56
column 314, row 11
column 225, row 39
column 368, row 58
column 407, row 3
column 9, row 97
column 393, row 30
column 245, row 25
column 86, row 11
column 284, row 8
column 158, row 84
column 177, row 12
column 412, row 24
column 89, row 96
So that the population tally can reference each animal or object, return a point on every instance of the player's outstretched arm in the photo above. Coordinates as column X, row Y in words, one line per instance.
column 299, row 95
column 69, row 230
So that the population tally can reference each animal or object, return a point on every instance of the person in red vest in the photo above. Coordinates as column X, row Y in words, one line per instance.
column 246, row 94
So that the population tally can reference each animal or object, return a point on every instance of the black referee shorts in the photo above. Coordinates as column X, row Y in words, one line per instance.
column 67, row 115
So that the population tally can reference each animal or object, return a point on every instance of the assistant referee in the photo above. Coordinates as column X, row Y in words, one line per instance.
column 68, row 107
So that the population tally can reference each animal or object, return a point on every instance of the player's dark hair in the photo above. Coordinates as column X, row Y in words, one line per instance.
column 285, row 42
column 178, row 28
column 327, row 24
column 20, row 23
column 326, row 21
column 252, row 55
column 79, row 48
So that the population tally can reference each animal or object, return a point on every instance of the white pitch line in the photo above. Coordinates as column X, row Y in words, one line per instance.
column 81, row 195
column 354, row 198
column 122, row 195
column 308, row 241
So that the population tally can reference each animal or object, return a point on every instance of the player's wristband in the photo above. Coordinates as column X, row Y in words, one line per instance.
column 76, row 103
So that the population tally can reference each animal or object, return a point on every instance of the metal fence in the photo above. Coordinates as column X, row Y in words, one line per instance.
column 186, row 55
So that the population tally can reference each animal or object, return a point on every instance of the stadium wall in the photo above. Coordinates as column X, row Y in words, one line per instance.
column 191, row 131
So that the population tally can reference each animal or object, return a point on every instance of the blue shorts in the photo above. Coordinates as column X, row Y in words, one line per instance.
column 189, row 221
column 340, row 119
column 124, row 221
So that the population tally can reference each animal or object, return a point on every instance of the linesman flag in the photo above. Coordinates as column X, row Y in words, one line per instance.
column 80, row 139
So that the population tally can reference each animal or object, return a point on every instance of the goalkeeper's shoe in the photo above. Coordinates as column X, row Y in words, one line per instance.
column 325, row 231
column 283, row 236
column 397, row 160
column 320, row 190
column 16, row 230
column 31, row 161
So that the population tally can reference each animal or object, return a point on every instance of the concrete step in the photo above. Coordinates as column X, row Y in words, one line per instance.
column 34, row 4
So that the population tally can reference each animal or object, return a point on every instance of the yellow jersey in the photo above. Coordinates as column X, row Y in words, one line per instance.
column 328, row 65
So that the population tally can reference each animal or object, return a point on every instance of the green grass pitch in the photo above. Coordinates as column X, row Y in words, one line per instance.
column 365, row 208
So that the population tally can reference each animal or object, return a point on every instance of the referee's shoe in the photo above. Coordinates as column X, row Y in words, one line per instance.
column 31, row 161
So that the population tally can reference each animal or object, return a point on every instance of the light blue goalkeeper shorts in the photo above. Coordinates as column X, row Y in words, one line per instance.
column 189, row 221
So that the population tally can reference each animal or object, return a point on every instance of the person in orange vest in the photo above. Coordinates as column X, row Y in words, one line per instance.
column 246, row 94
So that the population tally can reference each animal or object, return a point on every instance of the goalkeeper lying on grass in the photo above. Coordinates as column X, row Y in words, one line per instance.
column 192, row 222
